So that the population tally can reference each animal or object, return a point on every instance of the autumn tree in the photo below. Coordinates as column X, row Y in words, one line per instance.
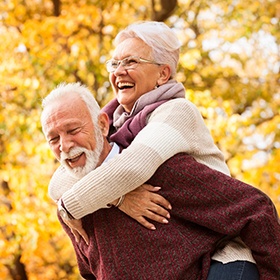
column 229, row 66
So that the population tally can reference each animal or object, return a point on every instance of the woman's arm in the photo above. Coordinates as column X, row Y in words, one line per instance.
column 176, row 126
column 142, row 203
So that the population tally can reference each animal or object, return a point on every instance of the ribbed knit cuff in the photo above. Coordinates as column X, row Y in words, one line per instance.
column 73, row 205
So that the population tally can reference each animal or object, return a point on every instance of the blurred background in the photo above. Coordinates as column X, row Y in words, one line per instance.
column 229, row 66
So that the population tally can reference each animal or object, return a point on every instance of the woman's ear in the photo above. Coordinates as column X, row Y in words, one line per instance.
column 103, row 123
column 165, row 74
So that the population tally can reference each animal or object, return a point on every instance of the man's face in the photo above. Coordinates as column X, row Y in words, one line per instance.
column 70, row 132
column 92, row 157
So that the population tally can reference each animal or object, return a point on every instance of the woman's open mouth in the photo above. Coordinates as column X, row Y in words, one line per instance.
column 125, row 85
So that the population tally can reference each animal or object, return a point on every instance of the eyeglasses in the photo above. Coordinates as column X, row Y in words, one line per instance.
column 130, row 62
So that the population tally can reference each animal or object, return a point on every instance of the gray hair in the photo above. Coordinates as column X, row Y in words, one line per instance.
column 163, row 41
column 63, row 89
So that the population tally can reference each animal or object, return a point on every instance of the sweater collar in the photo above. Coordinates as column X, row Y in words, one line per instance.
column 114, row 151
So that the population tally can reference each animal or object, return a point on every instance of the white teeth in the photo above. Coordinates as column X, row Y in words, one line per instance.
column 125, row 84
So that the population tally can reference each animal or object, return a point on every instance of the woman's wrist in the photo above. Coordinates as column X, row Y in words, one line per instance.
column 117, row 202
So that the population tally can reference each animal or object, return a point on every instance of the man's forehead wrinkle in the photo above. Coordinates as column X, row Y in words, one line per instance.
column 66, row 123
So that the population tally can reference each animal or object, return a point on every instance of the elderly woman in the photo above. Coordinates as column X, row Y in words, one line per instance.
column 148, row 99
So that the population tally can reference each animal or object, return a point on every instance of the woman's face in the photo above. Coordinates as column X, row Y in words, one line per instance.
column 129, row 85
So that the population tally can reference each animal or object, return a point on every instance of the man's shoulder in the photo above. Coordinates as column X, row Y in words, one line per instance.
column 180, row 162
column 184, row 163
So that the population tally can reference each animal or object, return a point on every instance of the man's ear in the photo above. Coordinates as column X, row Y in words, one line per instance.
column 165, row 74
column 103, row 122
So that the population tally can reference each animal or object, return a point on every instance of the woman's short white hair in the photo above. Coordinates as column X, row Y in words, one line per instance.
column 64, row 89
column 163, row 41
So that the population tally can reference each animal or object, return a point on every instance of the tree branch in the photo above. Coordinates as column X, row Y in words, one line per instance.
column 167, row 8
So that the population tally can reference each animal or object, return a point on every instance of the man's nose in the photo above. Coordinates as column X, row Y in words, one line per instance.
column 66, row 144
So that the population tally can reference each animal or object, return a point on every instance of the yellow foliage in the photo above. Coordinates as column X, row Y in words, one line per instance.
column 226, row 67
column 189, row 60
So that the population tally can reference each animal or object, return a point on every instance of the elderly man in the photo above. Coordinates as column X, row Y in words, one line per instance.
column 209, row 207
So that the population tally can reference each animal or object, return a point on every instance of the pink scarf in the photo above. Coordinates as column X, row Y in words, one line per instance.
column 125, row 126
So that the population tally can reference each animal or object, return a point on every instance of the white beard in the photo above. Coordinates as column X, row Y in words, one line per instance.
column 92, row 158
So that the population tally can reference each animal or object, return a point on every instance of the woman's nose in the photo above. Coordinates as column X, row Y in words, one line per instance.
column 120, row 70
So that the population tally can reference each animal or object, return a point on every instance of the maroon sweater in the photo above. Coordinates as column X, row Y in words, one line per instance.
column 207, row 207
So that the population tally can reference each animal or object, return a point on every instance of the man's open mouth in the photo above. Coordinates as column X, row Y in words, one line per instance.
column 74, row 158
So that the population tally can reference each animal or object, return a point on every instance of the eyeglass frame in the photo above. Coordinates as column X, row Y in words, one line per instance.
column 138, row 60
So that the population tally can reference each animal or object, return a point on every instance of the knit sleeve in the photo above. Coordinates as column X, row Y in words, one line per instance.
column 60, row 183
column 184, row 118
column 83, row 264
column 172, row 128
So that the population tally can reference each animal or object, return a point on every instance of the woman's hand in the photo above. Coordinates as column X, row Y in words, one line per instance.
column 144, row 203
